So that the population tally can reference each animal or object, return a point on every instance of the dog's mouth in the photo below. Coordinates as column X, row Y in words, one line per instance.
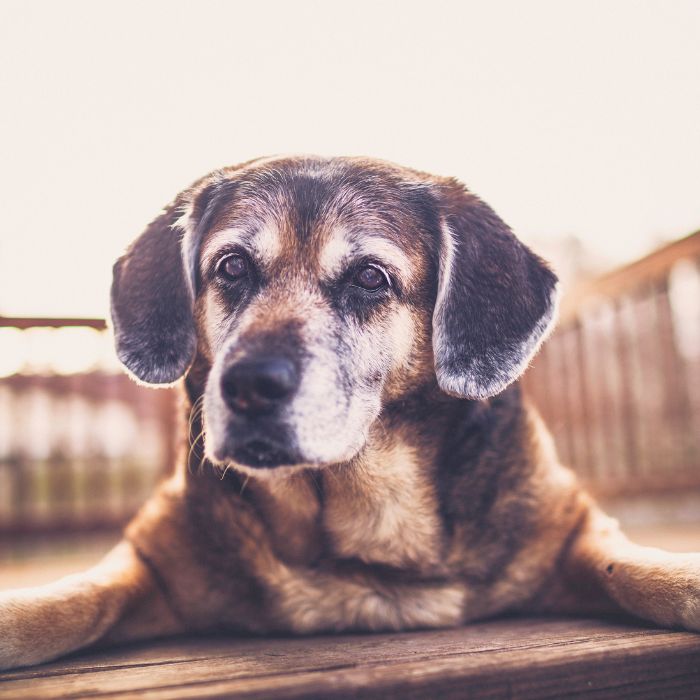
column 263, row 454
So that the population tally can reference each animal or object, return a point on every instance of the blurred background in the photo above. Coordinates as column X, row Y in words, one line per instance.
column 578, row 122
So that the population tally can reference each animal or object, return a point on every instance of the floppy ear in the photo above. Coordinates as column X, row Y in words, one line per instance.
column 496, row 299
column 153, row 286
column 151, row 304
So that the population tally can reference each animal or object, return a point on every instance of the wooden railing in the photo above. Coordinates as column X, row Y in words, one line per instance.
column 619, row 381
column 78, row 451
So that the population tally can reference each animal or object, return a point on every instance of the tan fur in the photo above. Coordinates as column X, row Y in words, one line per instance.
column 291, row 508
column 644, row 581
column 382, row 509
column 46, row 621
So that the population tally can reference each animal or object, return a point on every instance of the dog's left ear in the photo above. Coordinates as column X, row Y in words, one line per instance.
column 496, row 299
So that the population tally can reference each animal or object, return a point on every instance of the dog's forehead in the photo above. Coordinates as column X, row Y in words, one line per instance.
column 322, row 213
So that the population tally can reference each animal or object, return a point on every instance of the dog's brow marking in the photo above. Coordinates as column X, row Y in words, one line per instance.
column 336, row 249
column 339, row 249
column 217, row 241
column 385, row 250
column 267, row 243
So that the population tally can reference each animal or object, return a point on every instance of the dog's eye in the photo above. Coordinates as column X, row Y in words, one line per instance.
column 370, row 278
column 233, row 267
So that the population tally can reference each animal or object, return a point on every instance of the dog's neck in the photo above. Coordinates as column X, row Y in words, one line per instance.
column 381, row 507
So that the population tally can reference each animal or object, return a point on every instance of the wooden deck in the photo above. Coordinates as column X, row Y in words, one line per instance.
column 517, row 658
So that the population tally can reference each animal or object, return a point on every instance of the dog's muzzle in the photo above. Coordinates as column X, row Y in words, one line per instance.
column 256, row 390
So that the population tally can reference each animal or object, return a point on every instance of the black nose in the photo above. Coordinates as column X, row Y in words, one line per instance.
column 254, row 386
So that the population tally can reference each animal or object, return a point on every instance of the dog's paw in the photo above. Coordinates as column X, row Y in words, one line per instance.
column 30, row 628
column 676, row 590
column 689, row 606
column 655, row 585
column 15, row 637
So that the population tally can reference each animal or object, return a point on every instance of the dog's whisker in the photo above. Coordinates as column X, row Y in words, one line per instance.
column 193, row 446
column 195, row 412
column 226, row 468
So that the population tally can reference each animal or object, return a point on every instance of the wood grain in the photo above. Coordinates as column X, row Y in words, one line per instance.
column 517, row 658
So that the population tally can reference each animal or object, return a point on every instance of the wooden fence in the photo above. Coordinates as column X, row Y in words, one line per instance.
column 619, row 381
column 78, row 451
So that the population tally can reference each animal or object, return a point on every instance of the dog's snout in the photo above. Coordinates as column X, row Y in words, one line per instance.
column 259, row 385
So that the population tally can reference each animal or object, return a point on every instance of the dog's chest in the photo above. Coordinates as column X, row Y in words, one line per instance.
column 383, row 509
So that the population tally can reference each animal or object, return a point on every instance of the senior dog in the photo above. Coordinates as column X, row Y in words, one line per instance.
column 350, row 333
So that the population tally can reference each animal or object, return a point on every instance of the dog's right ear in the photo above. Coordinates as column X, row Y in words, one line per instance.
column 154, row 284
column 151, row 303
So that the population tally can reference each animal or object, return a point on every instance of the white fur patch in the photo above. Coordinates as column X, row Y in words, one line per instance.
column 266, row 243
column 330, row 424
column 341, row 249
column 336, row 250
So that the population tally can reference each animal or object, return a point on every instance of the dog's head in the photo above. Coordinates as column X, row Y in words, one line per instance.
column 314, row 291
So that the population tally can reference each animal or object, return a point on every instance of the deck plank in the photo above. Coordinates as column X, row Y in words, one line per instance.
column 533, row 658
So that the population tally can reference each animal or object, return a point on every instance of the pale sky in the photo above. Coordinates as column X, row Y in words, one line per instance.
column 567, row 117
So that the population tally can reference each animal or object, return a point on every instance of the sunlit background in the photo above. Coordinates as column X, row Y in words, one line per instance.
column 571, row 118
column 579, row 122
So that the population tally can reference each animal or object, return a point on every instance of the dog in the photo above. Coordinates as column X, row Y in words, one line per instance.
column 360, row 456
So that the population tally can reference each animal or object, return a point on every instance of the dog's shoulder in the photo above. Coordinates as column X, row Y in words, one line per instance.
column 505, row 499
column 486, row 452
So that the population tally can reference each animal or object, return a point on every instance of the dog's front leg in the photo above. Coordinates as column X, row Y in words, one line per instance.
column 605, row 572
column 116, row 600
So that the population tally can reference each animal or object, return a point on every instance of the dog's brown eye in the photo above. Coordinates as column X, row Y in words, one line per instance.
column 370, row 278
column 233, row 267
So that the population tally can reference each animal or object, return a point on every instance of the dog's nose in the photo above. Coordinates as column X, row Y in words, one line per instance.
column 259, row 385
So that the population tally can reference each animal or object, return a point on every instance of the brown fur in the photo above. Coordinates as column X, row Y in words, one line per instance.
column 450, row 504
